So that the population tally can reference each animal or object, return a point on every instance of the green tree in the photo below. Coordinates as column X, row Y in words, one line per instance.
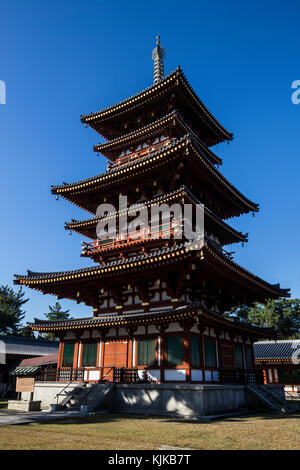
column 11, row 313
column 283, row 315
column 27, row 332
column 56, row 313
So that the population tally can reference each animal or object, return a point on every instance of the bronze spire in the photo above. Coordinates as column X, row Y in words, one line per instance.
column 158, row 55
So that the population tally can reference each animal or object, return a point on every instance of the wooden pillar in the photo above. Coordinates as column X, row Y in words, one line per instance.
column 187, row 355
column 76, row 350
column 218, row 349
column 163, row 350
column 187, row 325
column 60, row 353
column 265, row 376
column 130, row 353
column 201, row 329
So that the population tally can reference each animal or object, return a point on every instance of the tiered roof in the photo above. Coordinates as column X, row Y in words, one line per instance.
column 200, row 167
column 168, row 107
column 113, row 121
column 171, row 122
column 196, row 311
column 226, row 233
column 206, row 253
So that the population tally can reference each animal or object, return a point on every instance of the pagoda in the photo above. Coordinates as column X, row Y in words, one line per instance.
column 158, row 301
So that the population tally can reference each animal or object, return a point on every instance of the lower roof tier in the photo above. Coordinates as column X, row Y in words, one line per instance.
column 189, row 315
column 201, row 262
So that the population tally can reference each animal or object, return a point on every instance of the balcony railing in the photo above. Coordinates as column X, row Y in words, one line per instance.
column 157, row 232
column 134, row 375
column 138, row 154
column 240, row 376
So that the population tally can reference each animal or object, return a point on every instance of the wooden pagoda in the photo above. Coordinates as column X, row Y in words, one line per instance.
column 157, row 304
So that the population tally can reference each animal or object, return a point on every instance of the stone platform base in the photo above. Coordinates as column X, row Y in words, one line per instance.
column 173, row 399
column 22, row 405
column 185, row 400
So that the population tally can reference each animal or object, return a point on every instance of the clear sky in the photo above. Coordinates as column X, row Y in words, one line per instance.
column 63, row 58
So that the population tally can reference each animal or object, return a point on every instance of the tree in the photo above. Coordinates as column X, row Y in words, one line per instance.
column 11, row 313
column 56, row 313
column 27, row 332
column 283, row 315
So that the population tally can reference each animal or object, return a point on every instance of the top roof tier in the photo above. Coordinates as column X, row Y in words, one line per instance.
column 173, row 92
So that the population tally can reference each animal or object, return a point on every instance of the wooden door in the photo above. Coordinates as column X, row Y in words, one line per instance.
column 115, row 355
column 227, row 360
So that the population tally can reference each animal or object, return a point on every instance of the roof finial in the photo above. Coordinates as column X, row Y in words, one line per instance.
column 158, row 55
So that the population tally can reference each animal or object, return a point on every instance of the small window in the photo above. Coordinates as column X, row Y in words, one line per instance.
column 238, row 353
column 68, row 354
column 89, row 354
column 249, row 360
column 210, row 353
column 174, row 350
column 146, row 352
column 195, row 350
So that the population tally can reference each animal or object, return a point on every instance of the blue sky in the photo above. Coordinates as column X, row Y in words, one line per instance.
column 60, row 59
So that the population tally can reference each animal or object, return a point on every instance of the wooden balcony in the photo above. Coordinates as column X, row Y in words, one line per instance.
column 159, row 232
column 121, row 161
column 135, row 375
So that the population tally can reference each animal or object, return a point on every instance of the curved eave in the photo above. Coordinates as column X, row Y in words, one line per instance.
column 215, row 257
column 87, row 227
column 104, row 180
column 97, row 120
column 171, row 120
column 199, row 313
column 51, row 283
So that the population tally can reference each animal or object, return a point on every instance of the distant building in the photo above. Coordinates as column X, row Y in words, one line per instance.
column 13, row 349
column 280, row 362
column 41, row 368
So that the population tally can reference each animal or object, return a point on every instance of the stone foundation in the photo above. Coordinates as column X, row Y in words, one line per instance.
column 156, row 399
column 24, row 405
column 183, row 400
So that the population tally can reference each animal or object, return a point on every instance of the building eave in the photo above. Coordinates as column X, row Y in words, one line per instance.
column 161, row 157
column 174, row 80
column 197, row 312
column 88, row 227
column 204, row 252
column 108, row 149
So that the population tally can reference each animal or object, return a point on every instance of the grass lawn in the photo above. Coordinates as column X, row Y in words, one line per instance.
column 120, row 432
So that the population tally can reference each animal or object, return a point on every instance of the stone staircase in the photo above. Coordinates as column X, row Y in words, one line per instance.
column 268, row 398
column 90, row 396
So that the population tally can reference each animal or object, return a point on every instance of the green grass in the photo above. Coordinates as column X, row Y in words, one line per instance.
column 120, row 432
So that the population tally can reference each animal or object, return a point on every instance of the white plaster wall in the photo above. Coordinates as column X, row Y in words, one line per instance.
column 196, row 375
column 141, row 330
column 174, row 327
column 175, row 374
column 111, row 332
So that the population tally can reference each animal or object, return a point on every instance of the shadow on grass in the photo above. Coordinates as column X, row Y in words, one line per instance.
column 111, row 417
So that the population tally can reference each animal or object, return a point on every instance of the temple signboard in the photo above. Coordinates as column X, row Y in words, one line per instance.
column 25, row 384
